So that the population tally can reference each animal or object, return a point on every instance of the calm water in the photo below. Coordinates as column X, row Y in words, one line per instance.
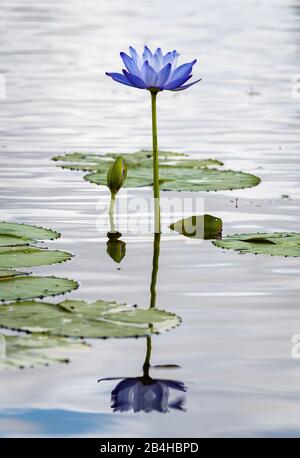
column 238, row 312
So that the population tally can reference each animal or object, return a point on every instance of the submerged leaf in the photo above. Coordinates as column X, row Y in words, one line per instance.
column 274, row 244
column 25, row 287
column 205, row 227
column 36, row 350
column 177, row 172
column 28, row 256
column 81, row 319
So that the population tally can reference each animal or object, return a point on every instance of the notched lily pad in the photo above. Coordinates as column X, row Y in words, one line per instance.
column 26, row 287
column 14, row 234
column 99, row 319
column 205, row 227
column 177, row 171
column 274, row 244
column 20, row 352
column 28, row 256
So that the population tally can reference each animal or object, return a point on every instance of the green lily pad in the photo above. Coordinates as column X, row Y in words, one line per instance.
column 205, row 227
column 177, row 172
column 99, row 319
column 274, row 244
column 26, row 287
column 36, row 350
column 10, row 273
column 28, row 256
column 13, row 234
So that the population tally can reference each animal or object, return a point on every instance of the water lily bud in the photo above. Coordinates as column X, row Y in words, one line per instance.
column 116, row 175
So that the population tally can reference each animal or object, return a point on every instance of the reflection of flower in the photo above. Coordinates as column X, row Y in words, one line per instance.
column 146, row 394
column 154, row 71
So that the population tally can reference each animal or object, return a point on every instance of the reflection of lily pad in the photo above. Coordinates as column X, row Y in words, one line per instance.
column 36, row 350
column 177, row 172
column 81, row 319
column 13, row 234
column 206, row 227
column 28, row 256
column 25, row 287
column 274, row 244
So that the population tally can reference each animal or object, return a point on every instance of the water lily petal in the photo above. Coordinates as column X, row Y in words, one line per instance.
column 130, row 64
column 181, row 88
column 147, row 54
column 176, row 83
column 135, row 80
column 163, row 75
column 135, row 57
column 149, row 74
column 183, row 70
column 119, row 78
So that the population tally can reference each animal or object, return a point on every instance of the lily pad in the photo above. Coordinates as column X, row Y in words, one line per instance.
column 274, row 244
column 177, row 172
column 205, row 227
column 37, row 350
column 28, row 256
column 10, row 273
column 99, row 319
column 13, row 234
column 26, row 287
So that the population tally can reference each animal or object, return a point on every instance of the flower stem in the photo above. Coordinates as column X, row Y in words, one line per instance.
column 156, row 250
column 146, row 365
column 111, row 213
column 155, row 164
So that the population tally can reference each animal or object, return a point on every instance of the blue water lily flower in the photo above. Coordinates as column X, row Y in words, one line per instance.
column 154, row 71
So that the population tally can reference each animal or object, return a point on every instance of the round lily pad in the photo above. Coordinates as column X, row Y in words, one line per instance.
column 13, row 234
column 177, row 171
column 99, row 319
column 26, row 287
column 20, row 352
column 28, row 256
column 274, row 244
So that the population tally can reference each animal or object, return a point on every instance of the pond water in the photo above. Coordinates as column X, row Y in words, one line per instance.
column 239, row 312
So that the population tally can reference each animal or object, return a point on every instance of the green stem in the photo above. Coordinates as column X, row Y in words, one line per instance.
column 111, row 213
column 146, row 365
column 155, row 163
column 156, row 251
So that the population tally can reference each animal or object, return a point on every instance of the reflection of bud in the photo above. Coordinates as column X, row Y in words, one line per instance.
column 115, row 248
column 116, row 175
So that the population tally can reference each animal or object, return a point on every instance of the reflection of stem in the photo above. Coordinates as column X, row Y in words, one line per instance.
column 155, row 164
column 111, row 214
column 146, row 365
column 156, row 250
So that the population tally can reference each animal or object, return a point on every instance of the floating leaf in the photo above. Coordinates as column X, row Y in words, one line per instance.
column 28, row 256
column 25, row 287
column 13, row 234
column 36, row 350
column 81, row 319
column 177, row 172
column 206, row 227
column 10, row 273
column 274, row 244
